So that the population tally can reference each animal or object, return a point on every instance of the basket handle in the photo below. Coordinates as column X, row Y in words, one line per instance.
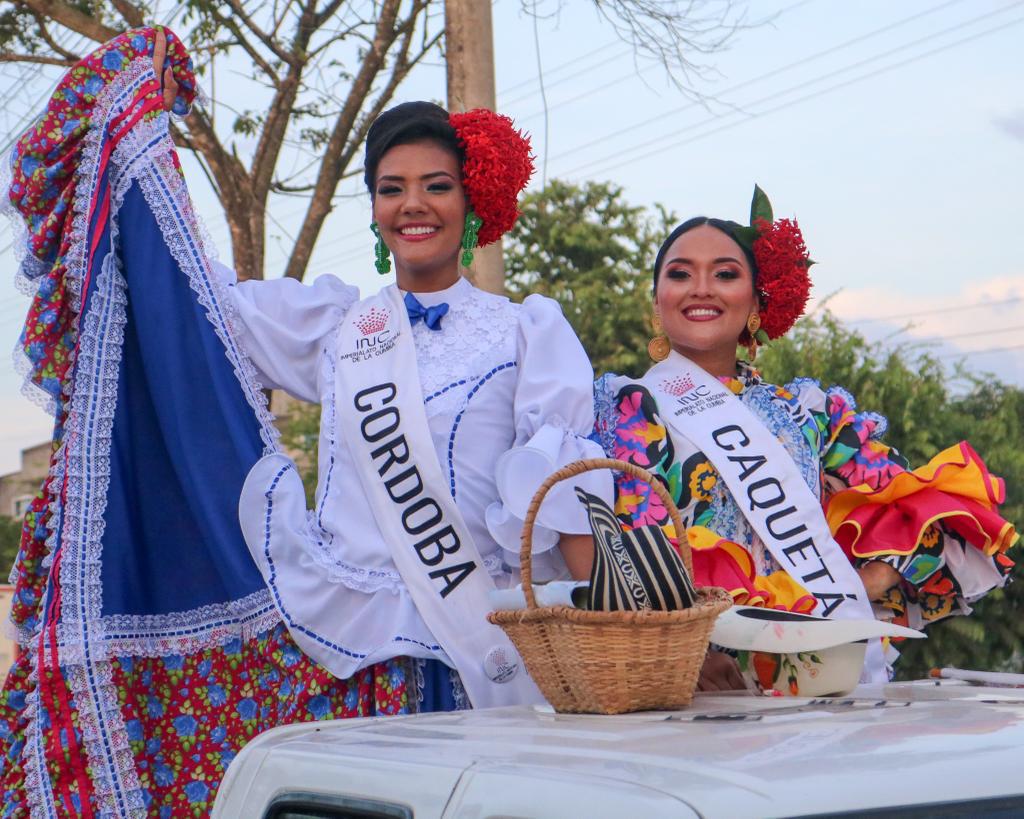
column 571, row 470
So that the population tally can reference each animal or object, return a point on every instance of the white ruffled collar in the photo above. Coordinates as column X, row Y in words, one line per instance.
column 451, row 295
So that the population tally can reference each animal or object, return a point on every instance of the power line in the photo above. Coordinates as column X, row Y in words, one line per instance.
column 746, row 116
column 982, row 352
column 762, row 77
column 971, row 334
column 354, row 253
column 936, row 311
column 542, row 73
column 603, row 61
column 561, row 67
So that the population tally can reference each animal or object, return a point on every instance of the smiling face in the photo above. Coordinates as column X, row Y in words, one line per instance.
column 420, row 208
column 705, row 293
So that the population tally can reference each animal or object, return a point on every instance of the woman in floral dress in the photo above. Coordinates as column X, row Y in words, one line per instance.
column 925, row 543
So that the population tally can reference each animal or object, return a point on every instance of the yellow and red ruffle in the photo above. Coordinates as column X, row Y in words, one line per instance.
column 728, row 565
column 955, row 489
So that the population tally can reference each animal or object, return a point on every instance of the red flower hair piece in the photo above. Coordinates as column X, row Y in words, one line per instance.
column 783, row 279
column 497, row 167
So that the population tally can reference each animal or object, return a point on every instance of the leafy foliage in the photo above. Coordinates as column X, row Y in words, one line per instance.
column 911, row 389
column 300, row 431
column 10, row 542
column 587, row 248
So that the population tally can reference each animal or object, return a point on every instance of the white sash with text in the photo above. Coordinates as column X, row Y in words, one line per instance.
column 766, row 487
column 380, row 404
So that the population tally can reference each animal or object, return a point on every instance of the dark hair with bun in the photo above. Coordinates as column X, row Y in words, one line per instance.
column 725, row 226
column 405, row 124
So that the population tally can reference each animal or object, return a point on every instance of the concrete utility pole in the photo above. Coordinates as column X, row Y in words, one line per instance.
column 469, row 54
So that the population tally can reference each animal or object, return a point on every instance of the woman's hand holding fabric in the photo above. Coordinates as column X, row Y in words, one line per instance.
column 878, row 578
column 170, row 85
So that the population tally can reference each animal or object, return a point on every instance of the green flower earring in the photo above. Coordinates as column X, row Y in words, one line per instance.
column 383, row 255
column 469, row 237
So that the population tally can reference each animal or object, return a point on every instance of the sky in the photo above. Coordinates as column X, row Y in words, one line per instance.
column 894, row 133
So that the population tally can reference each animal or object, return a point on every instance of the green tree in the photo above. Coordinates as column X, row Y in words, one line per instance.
column 300, row 436
column 910, row 387
column 587, row 248
column 991, row 417
column 906, row 385
column 10, row 543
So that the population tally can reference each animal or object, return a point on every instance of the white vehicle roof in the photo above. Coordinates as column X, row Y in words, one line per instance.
column 904, row 745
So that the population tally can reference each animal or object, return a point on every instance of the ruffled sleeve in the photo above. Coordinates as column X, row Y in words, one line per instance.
column 284, row 324
column 938, row 525
column 853, row 450
column 554, row 415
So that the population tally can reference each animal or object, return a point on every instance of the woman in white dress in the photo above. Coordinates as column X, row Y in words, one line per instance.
column 443, row 406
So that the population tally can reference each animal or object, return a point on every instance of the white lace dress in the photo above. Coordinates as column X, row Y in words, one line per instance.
column 508, row 396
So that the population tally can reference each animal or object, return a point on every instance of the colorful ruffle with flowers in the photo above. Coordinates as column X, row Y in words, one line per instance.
column 938, row 526
column 722, row 563
column 186, row 716
column 149, row 653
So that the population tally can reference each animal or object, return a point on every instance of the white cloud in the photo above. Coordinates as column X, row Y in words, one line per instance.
column 984, row 315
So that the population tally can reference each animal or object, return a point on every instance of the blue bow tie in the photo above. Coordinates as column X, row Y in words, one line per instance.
column 431, row 315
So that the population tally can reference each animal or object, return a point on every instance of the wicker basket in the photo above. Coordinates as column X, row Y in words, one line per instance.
column 611, row 662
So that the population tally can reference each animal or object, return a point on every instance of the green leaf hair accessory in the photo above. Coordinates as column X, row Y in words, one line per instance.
column 780, row 254
column 760, row 207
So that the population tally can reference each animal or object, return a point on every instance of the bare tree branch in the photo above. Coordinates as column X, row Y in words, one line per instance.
column 328, row 12
column 182, row 140
column 350, row 129
column 280, row 16
column 246, row 46
column 239, row 11
column 323, row 70
column 44, row 32
column 131, row 13
column 39, row 59
column 70, row 17
column 334, row 153
column 670, row 31
column 338, row 36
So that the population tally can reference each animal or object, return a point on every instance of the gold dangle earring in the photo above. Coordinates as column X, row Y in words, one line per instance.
column 658, row 347
column 753, row 325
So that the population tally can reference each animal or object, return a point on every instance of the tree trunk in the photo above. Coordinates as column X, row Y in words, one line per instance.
column 469, row 53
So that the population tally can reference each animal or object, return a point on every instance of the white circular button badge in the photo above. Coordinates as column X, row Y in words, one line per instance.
column 501, row 664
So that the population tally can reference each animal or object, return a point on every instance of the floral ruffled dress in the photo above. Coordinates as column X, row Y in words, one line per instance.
column 938, row 526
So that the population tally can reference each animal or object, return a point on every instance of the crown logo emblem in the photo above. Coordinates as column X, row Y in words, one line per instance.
column 373, row 322
column 678, row 386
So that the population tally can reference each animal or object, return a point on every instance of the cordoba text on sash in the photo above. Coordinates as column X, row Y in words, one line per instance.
column 421, row 515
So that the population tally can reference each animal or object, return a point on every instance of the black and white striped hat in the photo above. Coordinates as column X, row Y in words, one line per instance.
column 633, row 570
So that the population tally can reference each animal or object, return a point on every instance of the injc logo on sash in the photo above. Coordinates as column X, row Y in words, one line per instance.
column 373, row 326
column 689, row 396
column 677, row 386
